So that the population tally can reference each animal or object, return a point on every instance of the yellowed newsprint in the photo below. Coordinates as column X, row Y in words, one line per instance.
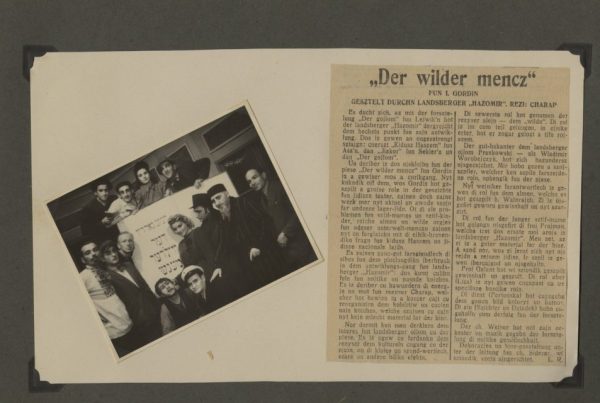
column 449, row 209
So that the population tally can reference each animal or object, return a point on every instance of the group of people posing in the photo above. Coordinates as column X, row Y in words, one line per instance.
column 241, row 244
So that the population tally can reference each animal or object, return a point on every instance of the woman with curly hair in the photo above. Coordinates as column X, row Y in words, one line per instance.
column 183, row 226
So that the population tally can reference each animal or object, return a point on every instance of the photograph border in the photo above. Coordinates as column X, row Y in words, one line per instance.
column 64, row 249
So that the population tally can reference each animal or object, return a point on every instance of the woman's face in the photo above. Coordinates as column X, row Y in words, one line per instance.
column 180, row 228
column 143, row 176
column 111, row 256
column 167, row 288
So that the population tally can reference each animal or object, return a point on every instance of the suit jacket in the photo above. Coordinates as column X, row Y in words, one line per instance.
column 298, row 251
column 249, row 227
column 187, row 172
column 141, row 304
column 91, row 221
column 279, row 208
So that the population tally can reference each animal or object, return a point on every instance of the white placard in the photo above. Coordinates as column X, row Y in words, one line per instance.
column 156, row 251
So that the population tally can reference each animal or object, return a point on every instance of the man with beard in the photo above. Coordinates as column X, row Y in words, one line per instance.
column 110, row 308
column 183, row 175
column 227, row 281
column 290, row 235
column 141, row 304
column 95, row 222
column 246, row 235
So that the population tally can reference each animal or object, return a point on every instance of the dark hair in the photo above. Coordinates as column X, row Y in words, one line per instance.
column 191, row 273
column 139, row 165
column 102, row 181
column 123, row 183
column 254, row 167
column 105, row 245
column 159, row 167
column 159, row 282
column 82, row 244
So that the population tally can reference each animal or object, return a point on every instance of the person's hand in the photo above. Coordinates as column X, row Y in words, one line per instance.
column 254, row 253
column 216, row 273
column 282, row 240
column 106, row 221
column 168, row 192
column 198, row 183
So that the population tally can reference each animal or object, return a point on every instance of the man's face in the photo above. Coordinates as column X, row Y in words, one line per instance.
column 89, row 253
column 197, row 283
column 102, row 192
column 167, row 288
column 143, row 175
column 201, row 212
column 221, row 202
column 125, row 193
column 110, row 255
column 255, row 180
column 167, row 170
column 125, row 243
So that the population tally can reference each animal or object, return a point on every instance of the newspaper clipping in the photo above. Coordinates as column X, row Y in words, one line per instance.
column 448, row 214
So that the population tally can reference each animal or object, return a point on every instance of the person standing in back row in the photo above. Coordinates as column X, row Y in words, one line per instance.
column 290, row 235
column 95, row 222
column 246, row 235
column 149, row 191
column 185, row 174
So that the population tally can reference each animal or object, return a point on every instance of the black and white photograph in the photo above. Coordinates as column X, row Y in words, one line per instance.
column 183, row 231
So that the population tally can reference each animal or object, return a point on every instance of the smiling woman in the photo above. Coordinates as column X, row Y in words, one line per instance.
column 183, row 226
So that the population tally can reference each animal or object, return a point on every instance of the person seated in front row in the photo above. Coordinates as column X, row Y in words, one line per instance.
column 178, row 308
column 149, row 191
column 193, row 277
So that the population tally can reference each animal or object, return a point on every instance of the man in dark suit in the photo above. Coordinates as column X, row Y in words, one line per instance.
column 95, row 223
column 183, row 175
column 246, row 236
column 194, row 278
column 141, row 304
column 226, row 281
column 290, row 235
